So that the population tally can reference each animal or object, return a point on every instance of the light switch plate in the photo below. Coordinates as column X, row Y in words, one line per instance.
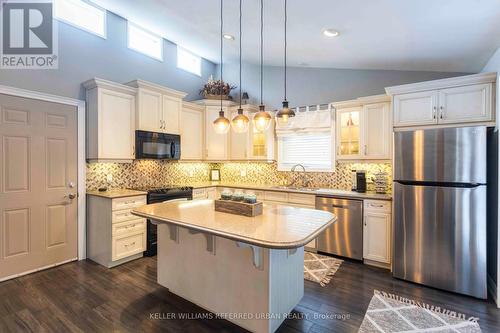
column 109, row 178
column 243, row 172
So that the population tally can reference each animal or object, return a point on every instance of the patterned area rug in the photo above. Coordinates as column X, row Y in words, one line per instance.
column 392, row 313
column 319, row 268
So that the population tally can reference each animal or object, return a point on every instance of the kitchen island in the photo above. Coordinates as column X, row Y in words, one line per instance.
column 248, row 270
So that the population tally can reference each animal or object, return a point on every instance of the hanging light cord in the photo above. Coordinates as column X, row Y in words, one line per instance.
column 286, row 18
column 240, row 52
column 221, row 48
column 261, row 51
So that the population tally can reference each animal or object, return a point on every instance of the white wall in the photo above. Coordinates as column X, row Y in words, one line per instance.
column 493, row 65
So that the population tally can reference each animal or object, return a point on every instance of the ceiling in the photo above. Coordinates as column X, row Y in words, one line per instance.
column 422, row 35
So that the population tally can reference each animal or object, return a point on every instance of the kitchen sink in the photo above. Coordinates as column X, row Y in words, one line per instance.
column 296, row 188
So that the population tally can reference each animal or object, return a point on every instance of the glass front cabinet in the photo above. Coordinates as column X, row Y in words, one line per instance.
column 349, row 132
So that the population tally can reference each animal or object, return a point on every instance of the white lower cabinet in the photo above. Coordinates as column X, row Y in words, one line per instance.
column 114, row 234
column 377, row 232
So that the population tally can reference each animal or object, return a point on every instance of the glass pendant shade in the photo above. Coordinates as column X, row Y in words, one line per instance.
column 283, row 116
column 262, row 119
column 221, row 124
column 240, row 122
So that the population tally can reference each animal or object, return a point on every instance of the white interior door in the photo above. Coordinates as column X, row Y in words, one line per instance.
column 38, row 184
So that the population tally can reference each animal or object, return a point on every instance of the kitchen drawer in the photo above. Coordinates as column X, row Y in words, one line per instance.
column 128, row 245
column 199, row 193
column 377, row 206
column 303, row 199
column 123, row 215
column 129, row 227
column 128, row 202
column 276, row 196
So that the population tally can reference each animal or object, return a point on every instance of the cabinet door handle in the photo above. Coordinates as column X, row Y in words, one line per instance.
column 441, row 108
column 377, row 206
column 434, row 112
column 366, row 149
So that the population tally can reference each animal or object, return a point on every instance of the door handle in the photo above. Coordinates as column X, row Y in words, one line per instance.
column 72, row 196
column 339, row 206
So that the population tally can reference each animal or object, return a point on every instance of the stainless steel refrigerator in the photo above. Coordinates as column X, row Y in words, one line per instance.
column 440, row 208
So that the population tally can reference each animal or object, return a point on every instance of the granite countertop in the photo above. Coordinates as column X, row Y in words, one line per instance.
column 314, row 191
column 279, row 227
column 116, row 193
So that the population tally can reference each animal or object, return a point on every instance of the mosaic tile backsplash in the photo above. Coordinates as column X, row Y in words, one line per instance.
column 147, row 173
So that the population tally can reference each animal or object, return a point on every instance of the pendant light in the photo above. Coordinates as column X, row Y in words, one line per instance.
column 240, row 121
column 262, row 119
column 284, row 115
column 221, row 124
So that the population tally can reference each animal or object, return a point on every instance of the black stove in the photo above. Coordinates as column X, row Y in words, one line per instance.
column 157, row 195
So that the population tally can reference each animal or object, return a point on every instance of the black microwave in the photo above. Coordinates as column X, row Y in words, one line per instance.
column 157, row 146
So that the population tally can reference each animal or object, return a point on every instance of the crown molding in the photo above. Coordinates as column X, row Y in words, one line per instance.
column 156, row 87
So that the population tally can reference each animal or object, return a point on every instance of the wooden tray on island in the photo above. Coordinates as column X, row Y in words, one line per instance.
column 238, row 207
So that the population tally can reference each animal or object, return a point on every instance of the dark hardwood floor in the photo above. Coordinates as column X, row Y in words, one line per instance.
column 86, row 297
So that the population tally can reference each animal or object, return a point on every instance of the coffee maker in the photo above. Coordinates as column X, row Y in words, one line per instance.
column 361, row 181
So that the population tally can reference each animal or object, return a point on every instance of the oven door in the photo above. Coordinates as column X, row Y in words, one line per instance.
column 159, row 146
column 152, row 231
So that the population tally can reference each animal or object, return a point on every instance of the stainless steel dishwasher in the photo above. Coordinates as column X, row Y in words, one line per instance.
column 344, row 237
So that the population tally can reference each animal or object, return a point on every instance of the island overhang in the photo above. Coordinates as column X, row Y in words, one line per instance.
column 279, row 227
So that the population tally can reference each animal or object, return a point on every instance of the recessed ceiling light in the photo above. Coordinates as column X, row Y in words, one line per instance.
column 228, row 36
column 330, row 33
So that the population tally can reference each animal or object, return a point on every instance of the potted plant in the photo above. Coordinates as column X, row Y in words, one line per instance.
column 213, row 89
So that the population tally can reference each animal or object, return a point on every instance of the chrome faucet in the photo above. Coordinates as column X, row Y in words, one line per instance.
column 305, row 180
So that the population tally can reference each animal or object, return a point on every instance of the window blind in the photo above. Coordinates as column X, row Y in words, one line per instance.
column 313, row 150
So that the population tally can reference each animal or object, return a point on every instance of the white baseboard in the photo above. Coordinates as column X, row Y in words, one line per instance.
column 37, row 270
column 492, row 289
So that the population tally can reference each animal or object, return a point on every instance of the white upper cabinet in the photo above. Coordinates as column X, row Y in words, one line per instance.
column 262, row 145
column 158, row 108
column 363, row 128
column 251, row 145
column 377, row 135
column 415, row 109
column 192, row 129
column 349, row 132
column 149, row 110
column 216, row 145
column 239, row 141
column 172, row 107
column 110, row 121
column 455, row 101
column 465, row 104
